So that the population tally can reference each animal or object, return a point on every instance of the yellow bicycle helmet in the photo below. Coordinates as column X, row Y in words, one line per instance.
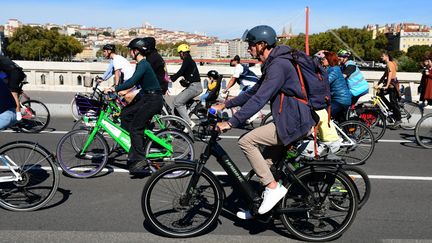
column 183, row 48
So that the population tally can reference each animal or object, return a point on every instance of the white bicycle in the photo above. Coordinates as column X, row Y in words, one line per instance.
column 29, row 176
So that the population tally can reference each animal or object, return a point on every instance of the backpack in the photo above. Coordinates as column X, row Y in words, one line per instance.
column 313, row 79
column 315, row 87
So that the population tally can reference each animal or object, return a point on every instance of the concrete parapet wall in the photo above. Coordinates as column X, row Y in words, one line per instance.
column 71, row 76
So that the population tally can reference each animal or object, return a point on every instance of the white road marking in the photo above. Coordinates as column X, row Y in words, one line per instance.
column 378, row 177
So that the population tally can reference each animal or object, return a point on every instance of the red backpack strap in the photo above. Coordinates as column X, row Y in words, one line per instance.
column 315, row 141
column 302, row 82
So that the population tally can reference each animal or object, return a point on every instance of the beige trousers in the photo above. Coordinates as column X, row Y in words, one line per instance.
column 261, row 162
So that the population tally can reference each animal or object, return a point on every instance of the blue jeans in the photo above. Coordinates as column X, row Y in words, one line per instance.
column 7, row 118
column 203, row 98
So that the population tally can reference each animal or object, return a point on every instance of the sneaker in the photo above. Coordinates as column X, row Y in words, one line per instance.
column 271, row 197
column 18, row 116
column 137, row 166
column 244, row 215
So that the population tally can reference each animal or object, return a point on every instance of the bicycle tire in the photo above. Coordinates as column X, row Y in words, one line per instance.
column 411, row 113
column 35, row 116
column 173, row 122
column 361, row 181
column 363, row 138
column 39, row 181
column 80, row 124
column 181, row 143
column 374, row 119
column 74, row 110
column 82, row 166
column 171, row 191
column 301, row 224
column 423, row 132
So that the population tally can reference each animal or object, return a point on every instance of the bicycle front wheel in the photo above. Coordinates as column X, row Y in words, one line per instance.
column 35, row 116
column 172, row 122
column 358, row 142
column 82, row 165
column 175, row 210
column 423, row 132
column 38, row 177
column 311, row 196
column 182, row 146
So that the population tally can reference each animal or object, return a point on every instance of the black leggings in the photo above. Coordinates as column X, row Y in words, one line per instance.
column 136, row 118
column 393, row 104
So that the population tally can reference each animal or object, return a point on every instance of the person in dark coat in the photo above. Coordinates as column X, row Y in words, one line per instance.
column 292, row 118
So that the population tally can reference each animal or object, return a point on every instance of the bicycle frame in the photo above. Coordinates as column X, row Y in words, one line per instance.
column 9, row 164
column 121, row 136
column 240, row 182
column 351, row 142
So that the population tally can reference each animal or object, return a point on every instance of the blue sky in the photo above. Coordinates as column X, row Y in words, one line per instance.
column 221, row 18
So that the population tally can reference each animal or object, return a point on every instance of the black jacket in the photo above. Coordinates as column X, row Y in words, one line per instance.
column 158, row 64
column 188, row 70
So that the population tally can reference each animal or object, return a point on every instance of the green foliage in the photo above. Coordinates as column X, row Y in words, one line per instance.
column 132, row 33
column 106, row 33
column 359, row 40
column 418, row 53
column 407, row 64
column 34, row 43
column 169, row 49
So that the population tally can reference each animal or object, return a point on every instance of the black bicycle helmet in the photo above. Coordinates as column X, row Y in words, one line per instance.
column 260, row 33
column 137, row 43
column 149, row 43
column 109, row 47
column 213, row 73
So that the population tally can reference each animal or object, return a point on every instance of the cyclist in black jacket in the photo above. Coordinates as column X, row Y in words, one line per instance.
column 192, row 82
column 157, row 62
column 136, row 116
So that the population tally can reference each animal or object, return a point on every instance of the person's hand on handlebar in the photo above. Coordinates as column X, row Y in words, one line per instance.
column 218, row 107
column 224, row 126
column 99, row 79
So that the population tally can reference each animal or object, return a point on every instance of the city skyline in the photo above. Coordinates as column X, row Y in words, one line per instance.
column 223, row 19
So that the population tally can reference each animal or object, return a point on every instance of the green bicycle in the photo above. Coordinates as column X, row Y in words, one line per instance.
column 83, row 153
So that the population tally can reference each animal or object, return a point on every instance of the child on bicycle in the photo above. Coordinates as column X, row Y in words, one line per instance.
column 213, row 88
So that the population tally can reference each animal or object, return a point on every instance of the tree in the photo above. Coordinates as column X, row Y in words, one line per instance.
column 417, row 53
column 106, row 33
column 34, row 43
column 132, row 33
column 407, row 64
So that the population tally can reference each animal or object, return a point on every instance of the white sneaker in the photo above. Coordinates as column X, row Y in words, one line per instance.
column 18, row 116
column 271, row 197
column 244, row 214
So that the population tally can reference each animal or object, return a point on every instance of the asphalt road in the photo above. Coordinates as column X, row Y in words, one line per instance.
column 108, row 208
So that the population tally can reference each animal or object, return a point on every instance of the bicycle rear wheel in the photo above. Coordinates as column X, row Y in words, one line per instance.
column 39, row 177
column 182, row 145
column 170, row 212
column 311, row 196
column 410, row 114
column 80, row 165
column 35, row 116
column 358, row 142
column 267, row 119
column 423, row 132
